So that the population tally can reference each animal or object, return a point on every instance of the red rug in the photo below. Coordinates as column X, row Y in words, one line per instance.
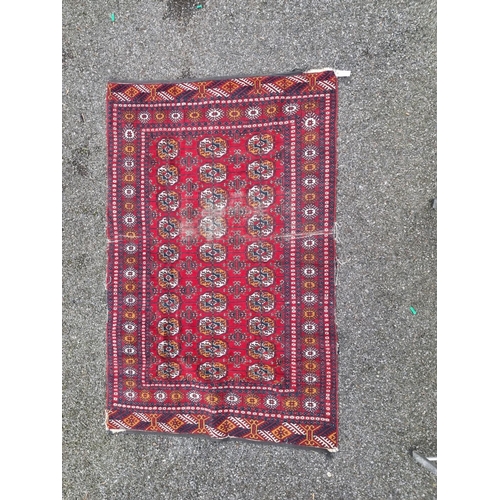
column 221, row 210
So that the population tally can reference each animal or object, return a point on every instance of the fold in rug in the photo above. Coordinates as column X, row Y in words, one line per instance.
column 221, row 258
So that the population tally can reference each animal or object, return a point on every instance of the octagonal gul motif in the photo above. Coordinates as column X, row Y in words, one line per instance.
column 213, row 277
column 212, row 147
column 168, row 303
column 168, row 201
column 213, row 198
column 213, row 172
column 261, row 325
column 212, row 302
column 260, row 225
column 168, row 252
column 212, row 348
column 168, row 349
column 168, row 326
column 261, row 301
column 168, row 148
column 168, row 277
column 213, row 325
column 212, row 252
column 261, row 349
column 167, row 175
column 213, row 227
column 260, row 251
column 169, row 370
column 261, row 372
column 260, row 277
column 260, row 144
column 212, row 370
column 169, row 227
column 260, row 196
column 261, row 170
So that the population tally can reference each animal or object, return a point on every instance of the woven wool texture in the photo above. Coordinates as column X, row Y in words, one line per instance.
column 221, row 209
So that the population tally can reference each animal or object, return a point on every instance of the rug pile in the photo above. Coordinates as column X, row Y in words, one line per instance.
column 220, row 279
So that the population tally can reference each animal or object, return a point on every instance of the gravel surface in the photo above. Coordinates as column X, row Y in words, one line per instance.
column 387, row 242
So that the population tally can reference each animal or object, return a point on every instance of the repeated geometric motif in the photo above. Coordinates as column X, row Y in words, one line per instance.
column 215, row 228
column 221, row 258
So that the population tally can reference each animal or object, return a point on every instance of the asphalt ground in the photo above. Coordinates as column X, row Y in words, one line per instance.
column 386, row 242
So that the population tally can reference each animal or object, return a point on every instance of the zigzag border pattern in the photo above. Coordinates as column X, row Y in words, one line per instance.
column 202, row 90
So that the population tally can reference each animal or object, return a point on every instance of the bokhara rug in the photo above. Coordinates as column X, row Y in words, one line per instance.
column 221, row 257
